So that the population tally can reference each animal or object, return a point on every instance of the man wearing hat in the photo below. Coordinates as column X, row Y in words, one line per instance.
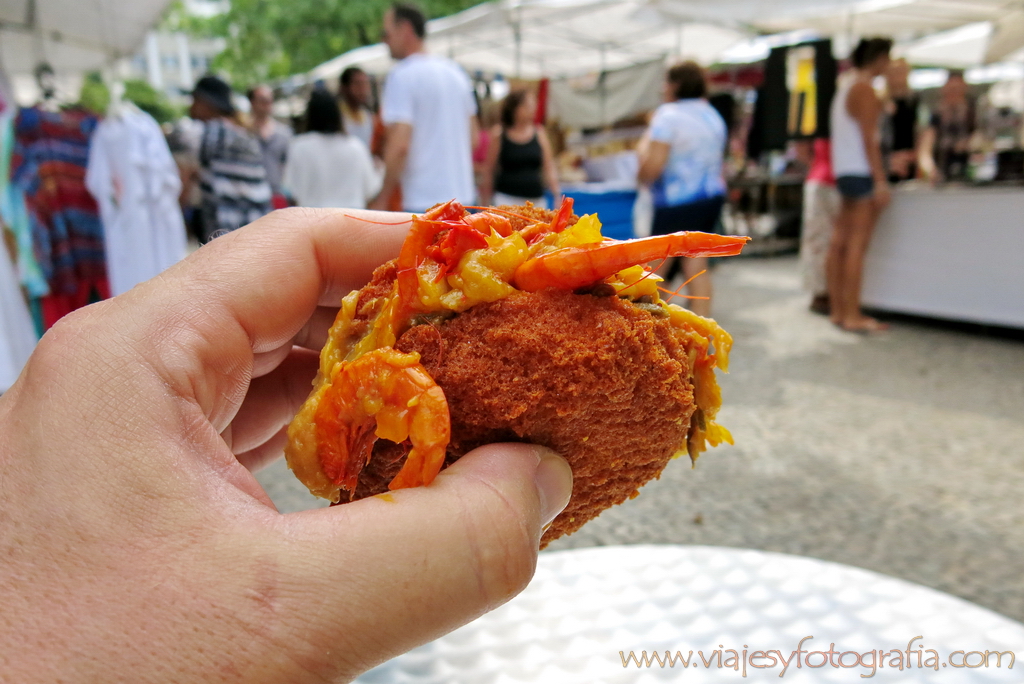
column 232, row 177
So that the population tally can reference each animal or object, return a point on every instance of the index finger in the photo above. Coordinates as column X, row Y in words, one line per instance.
column 273, row 273
column 251, row 291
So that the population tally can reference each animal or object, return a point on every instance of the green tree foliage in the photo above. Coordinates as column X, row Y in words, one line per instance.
column 268, row 39
column 151, row 101
column 95, row 96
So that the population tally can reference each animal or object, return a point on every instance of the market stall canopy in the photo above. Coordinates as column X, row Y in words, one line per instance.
column 904, row 20
column 532, row 39
column 570, row 41
column 594, row 101
column 565, row 38
column 373, row 59
column 73, row 36
column 958, row 48
column 1007, row 36
column 970, row 32
column 551, row 38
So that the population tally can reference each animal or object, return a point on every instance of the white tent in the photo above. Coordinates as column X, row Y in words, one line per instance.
column 594, row 101
column 957, row 48
column 569, row 41
column 565, row 38
column 533, row 39
column 904, row 20
column 73, row 36
column 554, row 38
column 373, row 59
column 1007, row 36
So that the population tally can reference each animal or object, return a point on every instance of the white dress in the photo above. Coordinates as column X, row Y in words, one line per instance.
column 136, row 184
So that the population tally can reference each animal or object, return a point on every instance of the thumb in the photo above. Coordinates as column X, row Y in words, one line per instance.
column 375, row 578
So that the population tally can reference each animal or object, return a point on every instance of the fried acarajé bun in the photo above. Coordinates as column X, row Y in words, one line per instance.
column 517, row 324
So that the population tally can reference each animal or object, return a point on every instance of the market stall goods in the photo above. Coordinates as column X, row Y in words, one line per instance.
column 514, row 324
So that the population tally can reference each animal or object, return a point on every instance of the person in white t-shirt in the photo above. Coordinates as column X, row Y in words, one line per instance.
column 327, row 167
column 429, row 110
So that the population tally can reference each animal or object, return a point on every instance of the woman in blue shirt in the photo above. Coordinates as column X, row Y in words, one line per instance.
column 681, row 159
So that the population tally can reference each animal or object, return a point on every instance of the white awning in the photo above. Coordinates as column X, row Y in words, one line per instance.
column 550, row 38
column 73, row 36
column 1007, row 36
column 903, row 20
column 532, row 39
column 566, row 38
column 957, row 48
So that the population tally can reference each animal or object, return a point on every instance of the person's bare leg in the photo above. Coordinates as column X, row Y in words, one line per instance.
column 835, row 260
column 863, row 216
column 700, row 287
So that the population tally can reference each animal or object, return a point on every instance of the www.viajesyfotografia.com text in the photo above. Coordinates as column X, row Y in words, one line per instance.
column 747, row 660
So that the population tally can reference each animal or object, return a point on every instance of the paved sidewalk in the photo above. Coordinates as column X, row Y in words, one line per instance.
column 900, row 453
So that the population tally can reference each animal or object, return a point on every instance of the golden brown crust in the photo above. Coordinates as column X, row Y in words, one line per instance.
column 599, row 380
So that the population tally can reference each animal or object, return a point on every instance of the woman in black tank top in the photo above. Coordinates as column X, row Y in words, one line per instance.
column 520, row 163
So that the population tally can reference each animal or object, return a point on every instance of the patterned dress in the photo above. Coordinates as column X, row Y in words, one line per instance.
column 48, row 165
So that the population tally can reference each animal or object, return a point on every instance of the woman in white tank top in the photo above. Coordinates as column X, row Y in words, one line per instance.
column 860, row 179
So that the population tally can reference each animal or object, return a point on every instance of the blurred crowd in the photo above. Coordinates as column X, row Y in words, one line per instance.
column 424, row 136
column 424, row 140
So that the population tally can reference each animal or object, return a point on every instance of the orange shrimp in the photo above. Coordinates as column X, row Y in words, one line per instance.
column 559, row 223
column 576, row 267
column 383, row 393
column 486, row 221
column 464, row 232
column 421, row 236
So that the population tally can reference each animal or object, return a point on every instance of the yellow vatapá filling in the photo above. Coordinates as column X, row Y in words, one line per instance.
column 486, row 274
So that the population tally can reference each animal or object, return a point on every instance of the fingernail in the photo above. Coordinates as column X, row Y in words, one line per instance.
column 553, row 478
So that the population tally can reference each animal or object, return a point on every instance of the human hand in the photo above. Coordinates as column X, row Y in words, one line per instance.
column 882, row 195
column 137, row 546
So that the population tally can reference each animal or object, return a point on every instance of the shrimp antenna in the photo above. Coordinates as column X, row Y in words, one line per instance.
column 672, row 294
column 676, row 293
column 379, row 223
column 691, row 280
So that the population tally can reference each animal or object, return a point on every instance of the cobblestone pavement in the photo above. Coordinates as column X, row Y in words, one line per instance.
column 900, row 453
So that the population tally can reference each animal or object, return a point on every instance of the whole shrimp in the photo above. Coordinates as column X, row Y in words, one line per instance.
column 575, row 267
column 383, row 393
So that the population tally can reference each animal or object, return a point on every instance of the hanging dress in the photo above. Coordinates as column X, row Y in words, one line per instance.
column 135, row 181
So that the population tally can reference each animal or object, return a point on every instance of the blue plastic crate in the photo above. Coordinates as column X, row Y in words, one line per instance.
column 613, row 207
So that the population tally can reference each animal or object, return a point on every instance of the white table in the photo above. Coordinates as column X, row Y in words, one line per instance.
column 584, row 606
column 950, row 252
